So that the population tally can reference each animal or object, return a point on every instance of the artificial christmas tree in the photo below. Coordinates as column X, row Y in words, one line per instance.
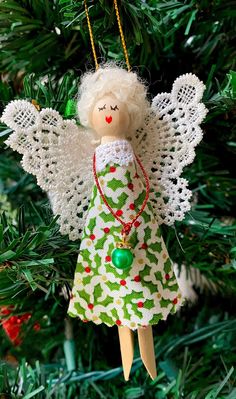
column 164, row 39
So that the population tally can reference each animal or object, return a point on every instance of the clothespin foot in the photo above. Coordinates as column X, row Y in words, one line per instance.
column 126, row 349
column 147, row 351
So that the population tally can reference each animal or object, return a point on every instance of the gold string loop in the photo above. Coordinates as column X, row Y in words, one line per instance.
column 122, row 35
column 120, row 31
column 91, row 35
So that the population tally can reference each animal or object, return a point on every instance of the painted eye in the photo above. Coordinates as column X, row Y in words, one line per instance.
column 114, row 108
column 102, row 108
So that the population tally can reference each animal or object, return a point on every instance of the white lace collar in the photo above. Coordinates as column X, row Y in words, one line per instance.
column 116, row 152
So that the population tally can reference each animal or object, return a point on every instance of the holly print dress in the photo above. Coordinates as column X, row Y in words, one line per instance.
column 102, row 293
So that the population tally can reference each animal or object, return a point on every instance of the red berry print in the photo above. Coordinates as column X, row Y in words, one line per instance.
column 144, row 245
column 87, row 269
column 85, row 321
column 175, row 301
column 136, row 176
column 132, row 207
column 118, row 322
column 140, row 304
column 119, row 212
column 106, row 230
column 137, row 223
column 131, row 186
column 167, row 276
column 112, row 169
column 137, row 279
column 108, row 258
column 90, row 306
column 122, row 282
column 92, row 237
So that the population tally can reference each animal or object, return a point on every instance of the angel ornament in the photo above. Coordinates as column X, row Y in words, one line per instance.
column 114, row 195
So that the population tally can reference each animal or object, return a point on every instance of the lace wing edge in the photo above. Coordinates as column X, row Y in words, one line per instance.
column 174, row 197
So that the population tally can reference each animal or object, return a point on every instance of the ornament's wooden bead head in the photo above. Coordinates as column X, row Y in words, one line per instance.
column 110, row 117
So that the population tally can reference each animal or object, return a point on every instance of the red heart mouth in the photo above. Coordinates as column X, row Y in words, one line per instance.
column 108, row 119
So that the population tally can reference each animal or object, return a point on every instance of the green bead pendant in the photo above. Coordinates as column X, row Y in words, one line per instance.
column 122, row 258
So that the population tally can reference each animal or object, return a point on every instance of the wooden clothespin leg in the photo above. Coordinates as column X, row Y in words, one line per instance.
column 147, row 352
column 127, row 349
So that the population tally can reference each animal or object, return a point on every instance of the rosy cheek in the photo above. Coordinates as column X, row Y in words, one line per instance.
column 108, row 119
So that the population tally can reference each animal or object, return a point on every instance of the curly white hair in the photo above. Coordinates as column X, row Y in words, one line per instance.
column 125, row 86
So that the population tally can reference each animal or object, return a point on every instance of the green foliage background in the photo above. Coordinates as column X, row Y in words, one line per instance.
column 44, row 50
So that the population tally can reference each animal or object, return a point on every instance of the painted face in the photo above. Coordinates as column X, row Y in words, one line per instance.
column 110, row 117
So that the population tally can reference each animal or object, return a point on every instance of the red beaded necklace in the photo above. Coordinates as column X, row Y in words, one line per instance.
column 126, row 226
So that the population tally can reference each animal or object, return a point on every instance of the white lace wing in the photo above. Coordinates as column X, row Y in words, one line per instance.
column 73, row 189
column 59, row 154
column 167, row 144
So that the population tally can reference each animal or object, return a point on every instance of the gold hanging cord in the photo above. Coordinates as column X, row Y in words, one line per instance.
column 122, row 35
column 120, row 31
column 91, row 35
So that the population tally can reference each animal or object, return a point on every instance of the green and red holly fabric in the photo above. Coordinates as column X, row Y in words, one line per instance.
column 141, row 295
